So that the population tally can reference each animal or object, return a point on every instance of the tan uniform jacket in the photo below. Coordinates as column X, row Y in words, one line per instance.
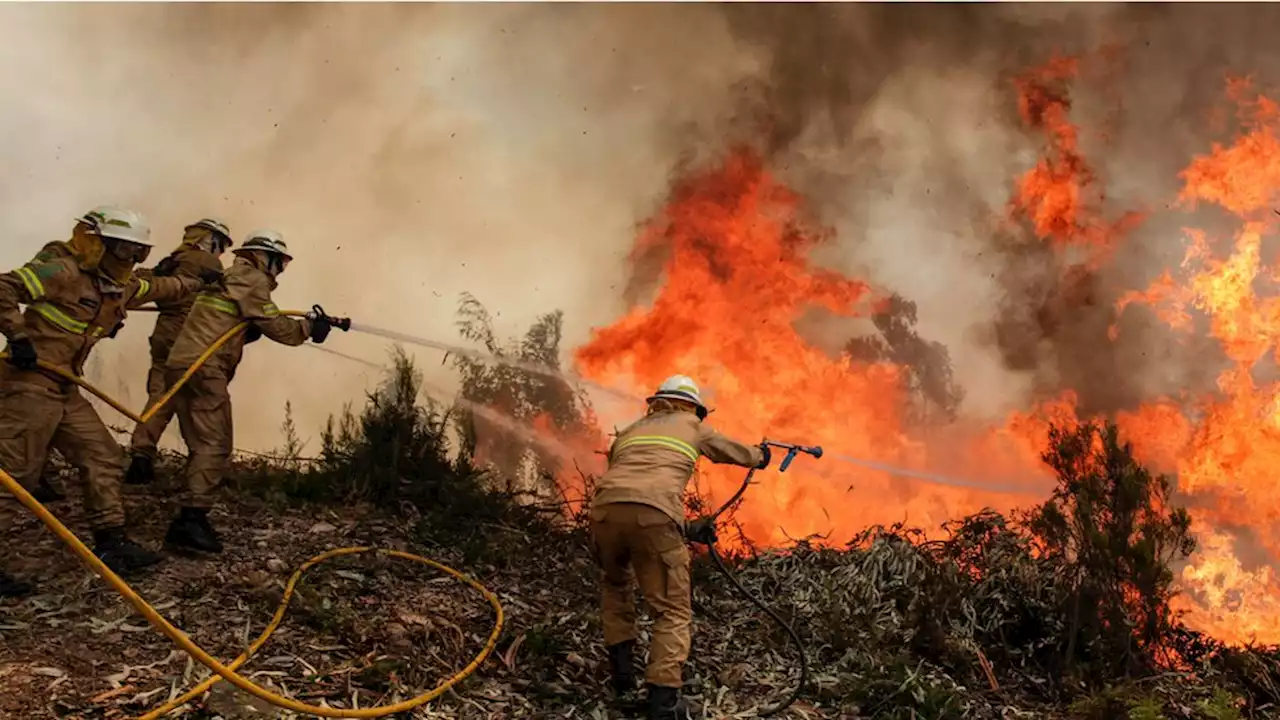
column 190, row 263
column 70, row 310
column 246, row 296
column 652, row 460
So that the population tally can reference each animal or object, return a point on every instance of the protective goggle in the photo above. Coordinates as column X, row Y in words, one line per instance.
column 280, row 262
column 127, row 251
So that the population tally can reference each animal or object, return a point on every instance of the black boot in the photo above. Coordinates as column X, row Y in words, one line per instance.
column 142, row 470
column 665, row 703
column 191, row 530
column 120, row 553
column 46, row 493
column 10, row 587
column 621, row 667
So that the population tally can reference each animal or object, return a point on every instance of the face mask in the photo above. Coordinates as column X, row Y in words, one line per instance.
column 114, row 269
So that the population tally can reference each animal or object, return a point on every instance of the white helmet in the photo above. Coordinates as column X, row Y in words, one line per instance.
column 213, row 225
column 109, row 221
column 681, row 387
column 268, row 241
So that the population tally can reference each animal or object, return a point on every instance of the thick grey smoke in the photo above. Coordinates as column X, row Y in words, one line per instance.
column 410, row 152
column 899, row 123
column 406, row 152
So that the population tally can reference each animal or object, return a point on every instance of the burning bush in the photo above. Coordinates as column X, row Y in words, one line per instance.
column 1111, row 531
column 1073, row 594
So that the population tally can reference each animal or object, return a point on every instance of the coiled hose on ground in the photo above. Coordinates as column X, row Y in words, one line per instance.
column 179, row 638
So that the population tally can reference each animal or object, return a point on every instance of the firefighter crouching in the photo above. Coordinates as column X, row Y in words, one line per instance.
column 72, row 302
column 637, row 522
column 200, row 252
column 203, row 405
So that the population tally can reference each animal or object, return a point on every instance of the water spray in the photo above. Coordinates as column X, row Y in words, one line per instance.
column 535, row 368
column 936, row 478
column 573, row 378
column 506, row 422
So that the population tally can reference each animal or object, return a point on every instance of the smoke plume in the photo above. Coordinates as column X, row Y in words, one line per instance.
column 410, row 152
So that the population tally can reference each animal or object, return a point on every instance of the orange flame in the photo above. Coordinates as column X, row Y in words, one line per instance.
column 1226, row 467
column 738, row 276
column 1059, row 196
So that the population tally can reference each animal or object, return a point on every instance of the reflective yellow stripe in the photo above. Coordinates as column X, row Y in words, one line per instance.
column 689, row 389
column 219, row 304
column 60, row 319
column 144, row 287
column 664, row 440
column 32, row 281
column 270, row 310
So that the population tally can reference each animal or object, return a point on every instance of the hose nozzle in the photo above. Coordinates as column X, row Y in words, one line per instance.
column 342, row 323
column 792, row 450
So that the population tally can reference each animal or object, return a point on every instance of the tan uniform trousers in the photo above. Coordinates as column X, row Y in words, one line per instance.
column 203, row 407
column 35, row 418
column 146, row 436
column 638, row 543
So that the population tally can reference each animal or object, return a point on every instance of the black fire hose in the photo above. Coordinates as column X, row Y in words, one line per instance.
column 703, row 532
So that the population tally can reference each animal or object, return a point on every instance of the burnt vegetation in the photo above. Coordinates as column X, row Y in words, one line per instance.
column 1059, row 611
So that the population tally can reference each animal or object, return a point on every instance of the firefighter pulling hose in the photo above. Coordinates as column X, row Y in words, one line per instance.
column 638, row 534
column 77, row 292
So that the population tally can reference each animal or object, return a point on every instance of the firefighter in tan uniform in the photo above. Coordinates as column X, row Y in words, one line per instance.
column 637, row 526
column 200, row 252
column 72, row 302
column 204, row 403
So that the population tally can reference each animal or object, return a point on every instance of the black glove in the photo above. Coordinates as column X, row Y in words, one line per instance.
column 165, row 267
column 766, row 457
column 22, row 354
column 252, row 334
column 320, row 327
column 211, row 277
column 116, row 330
column 702, row 530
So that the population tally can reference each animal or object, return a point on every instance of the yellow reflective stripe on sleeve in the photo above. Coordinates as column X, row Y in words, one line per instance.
column 60, row 319
column 676, row 444
column 270, row 310
column 144, row 287
column 32, row 281
column 218, row 304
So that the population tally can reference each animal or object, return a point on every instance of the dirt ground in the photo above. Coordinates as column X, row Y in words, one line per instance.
column 363, row 629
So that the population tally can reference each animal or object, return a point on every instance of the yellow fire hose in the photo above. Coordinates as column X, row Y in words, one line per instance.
column 179, row 638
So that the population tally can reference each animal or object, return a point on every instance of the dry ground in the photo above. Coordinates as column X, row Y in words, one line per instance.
column 364, row 629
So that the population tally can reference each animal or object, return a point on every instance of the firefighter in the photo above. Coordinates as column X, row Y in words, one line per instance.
column 637, row 528
column 73, row 301
column 203, row 405
column 200, row 252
